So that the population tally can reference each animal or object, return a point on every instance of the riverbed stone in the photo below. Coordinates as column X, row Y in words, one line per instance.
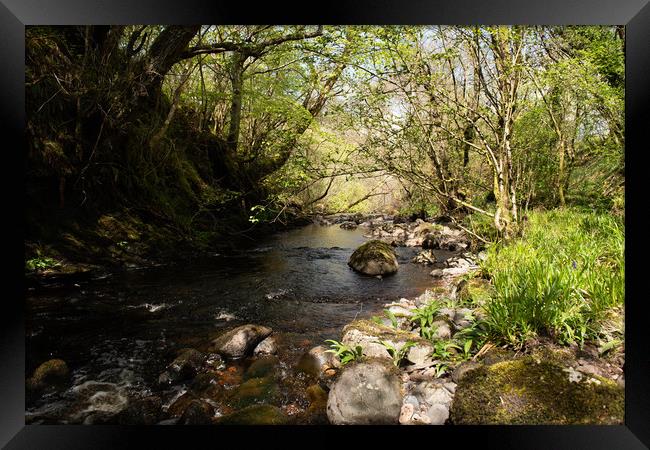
column 268, row 346
column 438, row 414
column 432, row 392
column 374, row 258
column 198, row 412
column 254, row 391
column 449, row 272
column 262, row 367
column 349, row 225
column 367, row 334
column 317, row 361
column 186, row 365
column 240, row 341
column 443, row 329
column 406, row 413
column 366, row 393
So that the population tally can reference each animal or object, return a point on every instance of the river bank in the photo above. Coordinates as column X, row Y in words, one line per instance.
column 421, row 333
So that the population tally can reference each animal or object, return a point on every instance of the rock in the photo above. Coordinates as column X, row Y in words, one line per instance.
column 450, row 313
column 198, row 412
column 443, row 329
column 348, row 225
column 533, row 391
column 253, row 391
column 420, row 419
column 255, row 415
column 374, row 258
column 143, row 411
column 451, row 387
column 263, row 367
column 185, row 366
column 317, row 361
column 432, row 392
column 438, row 414
column 317, row 396
column 268, row 346
column 449, row 272
column 406, row 413
column 177, row 408
column 412, row 400
column 430, row 242
column 240, row 341
column 367, row 334
column 366, row 393
column 401, row 311
column 463, row 369
column 424, row 257
column 424, row 229
column 52, row 373
column 205, row 381
column 420, row 354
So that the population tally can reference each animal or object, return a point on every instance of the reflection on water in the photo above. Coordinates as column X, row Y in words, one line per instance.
column 123, row 329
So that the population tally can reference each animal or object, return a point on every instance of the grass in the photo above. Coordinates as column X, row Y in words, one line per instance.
column 562, row 278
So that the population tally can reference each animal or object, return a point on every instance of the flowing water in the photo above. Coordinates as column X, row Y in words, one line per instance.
column 117, row 333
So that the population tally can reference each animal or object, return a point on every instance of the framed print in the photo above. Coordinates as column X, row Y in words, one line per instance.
column 268, row 222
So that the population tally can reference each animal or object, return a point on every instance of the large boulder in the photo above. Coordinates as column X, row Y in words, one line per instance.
column 374, row 258
column 240, row 341
column 366, row 393
column 535, row 391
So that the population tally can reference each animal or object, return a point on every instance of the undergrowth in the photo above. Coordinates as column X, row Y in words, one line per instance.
column 562, row 278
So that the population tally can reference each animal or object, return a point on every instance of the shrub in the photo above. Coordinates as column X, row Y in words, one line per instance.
column 560, row 278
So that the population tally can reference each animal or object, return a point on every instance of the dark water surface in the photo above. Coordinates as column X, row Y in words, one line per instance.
column 122, row 330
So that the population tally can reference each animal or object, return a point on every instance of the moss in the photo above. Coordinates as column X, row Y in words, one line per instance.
column 255, row 415
column 254, row 390
column 530, row 391
column 54, row 371
column 374, row 250
column 383, row 332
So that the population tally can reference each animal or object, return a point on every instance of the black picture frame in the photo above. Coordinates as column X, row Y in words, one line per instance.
column 15, row 14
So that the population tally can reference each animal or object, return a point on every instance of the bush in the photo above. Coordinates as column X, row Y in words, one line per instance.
column 561, row 278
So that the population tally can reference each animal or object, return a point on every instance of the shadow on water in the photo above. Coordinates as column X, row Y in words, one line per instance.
column 124, row 329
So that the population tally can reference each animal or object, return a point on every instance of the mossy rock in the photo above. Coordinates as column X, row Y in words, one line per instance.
column 477, row 291
column 374, row 258
column 367, row 334
column 263, row 367
column 51, row 373
column 254, row 391
column 531, row 391
column 255, row 415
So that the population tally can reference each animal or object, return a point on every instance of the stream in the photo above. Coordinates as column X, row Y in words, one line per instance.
column 117, row 333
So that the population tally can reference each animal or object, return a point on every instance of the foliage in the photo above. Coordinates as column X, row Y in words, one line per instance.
column 345, row 353
column 397, row 355
column 424, row 318
column 41, row 262
column 561, row 278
